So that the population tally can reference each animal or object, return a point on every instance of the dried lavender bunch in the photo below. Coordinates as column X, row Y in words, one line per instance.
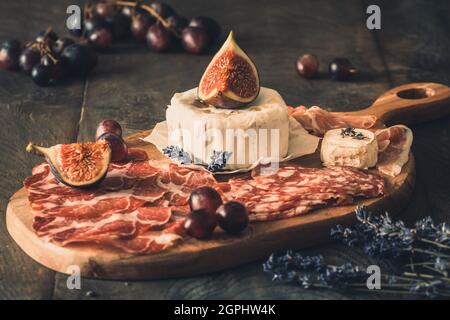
column 218, row 160
column 177, row 153
column 426, row 247
column 311, row 271
column 382, row 237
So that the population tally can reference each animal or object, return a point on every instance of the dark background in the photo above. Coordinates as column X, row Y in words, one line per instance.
column 133, row 85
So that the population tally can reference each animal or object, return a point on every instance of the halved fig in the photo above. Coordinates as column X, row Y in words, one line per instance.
column 231, row 79
column 80, row 165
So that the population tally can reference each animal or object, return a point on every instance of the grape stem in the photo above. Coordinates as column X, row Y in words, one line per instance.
column 43, row 46
column 150, row 10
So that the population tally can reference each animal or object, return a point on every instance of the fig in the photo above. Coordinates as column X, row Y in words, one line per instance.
column 231, row 79
column 80, row 165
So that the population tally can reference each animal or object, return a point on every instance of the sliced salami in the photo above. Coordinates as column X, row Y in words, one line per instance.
column 293, row 190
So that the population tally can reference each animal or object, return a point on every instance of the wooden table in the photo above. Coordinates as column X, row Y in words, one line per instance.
column 133, row 85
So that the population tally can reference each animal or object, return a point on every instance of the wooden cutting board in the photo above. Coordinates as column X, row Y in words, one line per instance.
column 407, row 104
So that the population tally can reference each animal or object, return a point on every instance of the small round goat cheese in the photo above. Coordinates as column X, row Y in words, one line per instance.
column 260, row 130
column 349, row 147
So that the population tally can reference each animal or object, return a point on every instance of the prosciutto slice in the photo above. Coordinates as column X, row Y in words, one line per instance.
column 394, row 144
column 138, row 208
column 318, row 121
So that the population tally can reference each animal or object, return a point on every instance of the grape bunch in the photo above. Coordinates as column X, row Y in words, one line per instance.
column 48, row 59
column 208, row 211
column 156, row 24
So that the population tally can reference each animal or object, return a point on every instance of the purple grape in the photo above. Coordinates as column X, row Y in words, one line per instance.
column 42, row 75
column 308, row 66
column 79, row 59
column 139, row 26
column 194, row 40
column 28, row 59
column 206, row 198
column 200, row 224
column 341, row 69
column 177, row 23
column 211, row 26
column 105, row 9
column 60, row 45
column 9, row 55
column 159, row 38
column 164, row 10
column 101, row 38
column 232, row 217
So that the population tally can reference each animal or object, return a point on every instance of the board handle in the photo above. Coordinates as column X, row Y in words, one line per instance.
column 411, row 103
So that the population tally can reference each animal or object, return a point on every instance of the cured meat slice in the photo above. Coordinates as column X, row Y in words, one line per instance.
column 292, row 190
column 121, row 226
column 318, row 121
column 181, row 181
column 394, row 144
column 149, row 242
column 138, row 208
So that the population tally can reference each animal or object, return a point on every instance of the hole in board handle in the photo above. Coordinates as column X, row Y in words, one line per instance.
column 416, row 93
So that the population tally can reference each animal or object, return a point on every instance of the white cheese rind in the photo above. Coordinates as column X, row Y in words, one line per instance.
column 337, row 150
column 261, row 130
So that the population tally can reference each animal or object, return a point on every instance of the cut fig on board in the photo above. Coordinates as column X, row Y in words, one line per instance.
column 80, row 165
column 231, row 79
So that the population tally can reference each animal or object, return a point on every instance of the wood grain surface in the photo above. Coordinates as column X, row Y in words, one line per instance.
column 133, row 85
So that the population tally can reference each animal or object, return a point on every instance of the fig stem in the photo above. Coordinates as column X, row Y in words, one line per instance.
column 31, row 148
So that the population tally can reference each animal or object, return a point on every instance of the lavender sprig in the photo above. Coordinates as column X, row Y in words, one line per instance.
column 382, row 237
column 426, row 247
column 351, row 132
column 218, row 160
column 177, row 153
column 312, row 272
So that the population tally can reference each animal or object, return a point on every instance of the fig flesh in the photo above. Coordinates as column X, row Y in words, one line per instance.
column 231, row 79
column 80, row 165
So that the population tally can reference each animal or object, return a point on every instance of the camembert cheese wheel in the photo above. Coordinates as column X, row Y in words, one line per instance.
column 258, row 131
column 349, row 147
